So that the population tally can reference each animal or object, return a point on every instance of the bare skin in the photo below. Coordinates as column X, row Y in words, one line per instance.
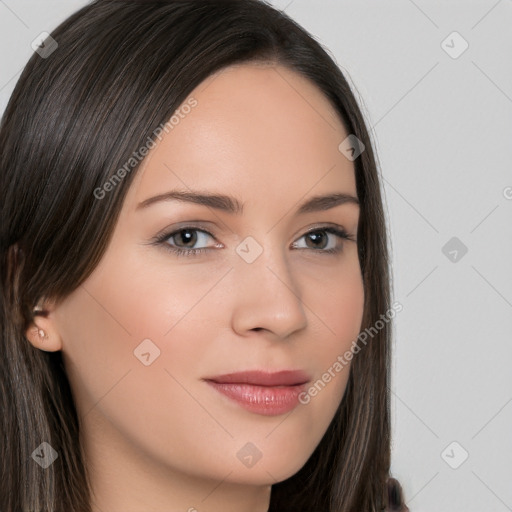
column 158, row 438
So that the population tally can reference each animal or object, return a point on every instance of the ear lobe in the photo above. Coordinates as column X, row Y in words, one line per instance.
column 42, row 333
column 43, row 336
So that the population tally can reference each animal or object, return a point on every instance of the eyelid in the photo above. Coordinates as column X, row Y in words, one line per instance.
column 167, row 232
column 326, row 225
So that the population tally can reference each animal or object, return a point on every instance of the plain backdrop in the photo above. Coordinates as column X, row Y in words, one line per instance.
column 434, row 80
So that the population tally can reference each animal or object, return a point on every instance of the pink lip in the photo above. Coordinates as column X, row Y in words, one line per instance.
column 262, row 392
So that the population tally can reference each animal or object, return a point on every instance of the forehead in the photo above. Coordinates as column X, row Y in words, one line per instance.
column 254, row 129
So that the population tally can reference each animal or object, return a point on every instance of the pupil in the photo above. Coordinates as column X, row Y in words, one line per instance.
column 187, row 236
column 316, row 236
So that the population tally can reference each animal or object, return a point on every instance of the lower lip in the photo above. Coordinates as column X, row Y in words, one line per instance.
column 265, row 400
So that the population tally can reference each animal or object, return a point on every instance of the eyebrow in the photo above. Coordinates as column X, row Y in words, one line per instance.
column 231, row 205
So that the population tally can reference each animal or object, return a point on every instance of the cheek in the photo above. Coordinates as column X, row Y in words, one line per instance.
column 336, row 311
column 102, row 324
column 339, row 313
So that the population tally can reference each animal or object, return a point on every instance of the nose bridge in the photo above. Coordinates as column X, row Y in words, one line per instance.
column 267, row 293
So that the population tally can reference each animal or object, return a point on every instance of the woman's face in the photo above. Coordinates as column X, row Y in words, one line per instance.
column 149, row 327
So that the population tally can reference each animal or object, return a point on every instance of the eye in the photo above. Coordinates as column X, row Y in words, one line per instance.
column 320, row 240
column 317, row 240
column 182, row 240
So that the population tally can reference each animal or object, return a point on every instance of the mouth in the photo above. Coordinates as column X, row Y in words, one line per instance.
column 265, row 393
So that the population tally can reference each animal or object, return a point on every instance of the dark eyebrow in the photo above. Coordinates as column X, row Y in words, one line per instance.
column 232, row 205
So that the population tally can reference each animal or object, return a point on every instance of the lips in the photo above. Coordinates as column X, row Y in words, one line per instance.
column 261, row 392
column 261, row 378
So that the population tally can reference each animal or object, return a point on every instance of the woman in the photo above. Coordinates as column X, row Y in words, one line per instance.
column 139, row 373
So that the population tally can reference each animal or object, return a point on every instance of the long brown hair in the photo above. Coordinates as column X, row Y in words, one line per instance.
column 119, row 72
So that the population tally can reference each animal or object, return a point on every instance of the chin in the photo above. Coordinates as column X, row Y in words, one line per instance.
column 264, row 469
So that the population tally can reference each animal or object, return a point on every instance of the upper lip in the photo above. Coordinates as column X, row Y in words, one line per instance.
column 263, row 378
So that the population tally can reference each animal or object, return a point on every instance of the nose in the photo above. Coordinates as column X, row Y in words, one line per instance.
column 267, row 297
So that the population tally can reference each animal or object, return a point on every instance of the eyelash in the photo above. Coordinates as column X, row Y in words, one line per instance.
column 162, row 240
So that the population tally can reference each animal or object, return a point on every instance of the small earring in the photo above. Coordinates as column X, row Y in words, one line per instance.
column 41, row 333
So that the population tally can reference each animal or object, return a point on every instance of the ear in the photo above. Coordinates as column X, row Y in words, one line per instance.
column 42, row 332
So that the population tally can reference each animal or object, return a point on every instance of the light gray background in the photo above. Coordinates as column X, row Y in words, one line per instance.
column 443, row 132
